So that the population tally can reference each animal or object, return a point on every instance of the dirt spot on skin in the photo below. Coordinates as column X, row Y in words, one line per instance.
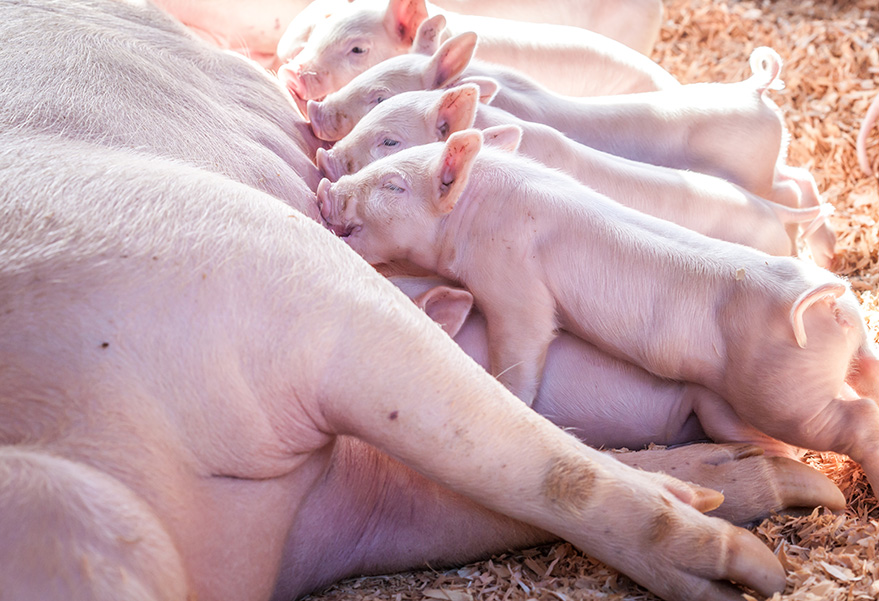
column 569, row 483
column 393, row 415
column 661, row 524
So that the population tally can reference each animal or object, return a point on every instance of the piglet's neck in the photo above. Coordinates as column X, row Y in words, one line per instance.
column 491, row 190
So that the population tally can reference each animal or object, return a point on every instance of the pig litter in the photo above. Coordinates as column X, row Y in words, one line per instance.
column 831, row 71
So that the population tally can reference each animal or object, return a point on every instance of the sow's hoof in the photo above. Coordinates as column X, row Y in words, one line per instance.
column 753, row 484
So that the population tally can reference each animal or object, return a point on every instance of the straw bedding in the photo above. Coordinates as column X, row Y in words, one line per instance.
column 831, row 72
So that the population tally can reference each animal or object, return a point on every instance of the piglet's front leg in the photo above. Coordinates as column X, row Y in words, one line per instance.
column 521, row 325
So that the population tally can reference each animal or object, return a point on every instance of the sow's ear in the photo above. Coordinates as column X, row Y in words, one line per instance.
column 455, row 162
column 447, row 306
column 403, row 18
column 450, row 61
column 427, row 38
column 456, row 110
column 505, row 137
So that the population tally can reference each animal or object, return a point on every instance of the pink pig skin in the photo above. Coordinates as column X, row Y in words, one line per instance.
column 690, row 127
column 250, row 28
column 703, row 203
column 202, row 390
column 778, row 338
column 358, row 35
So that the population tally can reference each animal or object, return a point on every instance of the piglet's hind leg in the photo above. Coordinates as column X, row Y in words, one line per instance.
column 844, row 426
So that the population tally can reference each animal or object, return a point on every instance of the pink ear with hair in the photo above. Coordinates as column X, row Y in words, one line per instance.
column 403, row 17
column 427, row 38
column 506, row 137
column 450, row 60
column 447, row 306
column 456, row 110
column 488, row 87
column 455, row 163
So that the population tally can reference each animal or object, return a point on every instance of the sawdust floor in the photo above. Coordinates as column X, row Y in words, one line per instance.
column 831, row 72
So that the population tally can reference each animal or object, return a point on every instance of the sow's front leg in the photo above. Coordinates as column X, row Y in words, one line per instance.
column 396, row 381
column 412, row 521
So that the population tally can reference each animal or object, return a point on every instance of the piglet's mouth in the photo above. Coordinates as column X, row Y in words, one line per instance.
column 340, row 230
column 343, row 231
column 302, row 104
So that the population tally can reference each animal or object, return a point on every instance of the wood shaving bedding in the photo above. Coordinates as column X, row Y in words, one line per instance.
column 831, row 71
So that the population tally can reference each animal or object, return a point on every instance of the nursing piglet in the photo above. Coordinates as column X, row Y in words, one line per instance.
column 569, row 60
column 609, row 403
column 635, row 23
column 777, row 337
column 692, row 127
column 703, row 203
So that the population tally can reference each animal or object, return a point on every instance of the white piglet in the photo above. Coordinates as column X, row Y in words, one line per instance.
column 635, row 23
column 730, row 130
column 777, row 337
column 569, row 60
column 706, row 204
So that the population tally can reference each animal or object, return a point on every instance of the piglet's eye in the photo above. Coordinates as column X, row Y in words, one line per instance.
column 358, row 50
column 391, row 143
column 393, row 187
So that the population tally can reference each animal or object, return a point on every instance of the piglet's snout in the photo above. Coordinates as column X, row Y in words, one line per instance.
column 327, row 123
column 290, row 75
column 328, row 164
column 330, row 211
column 324, row 202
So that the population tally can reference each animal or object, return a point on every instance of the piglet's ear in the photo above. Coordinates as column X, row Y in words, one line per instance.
column 427, row 38
column 505, row 137
column 488, row 87
column 455, row 163
column 403, row 18
column 456, row 110
column 450, row 60
column 447, row 306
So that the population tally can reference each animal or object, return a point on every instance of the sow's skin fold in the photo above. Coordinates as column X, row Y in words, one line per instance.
column 783, row 341
column 196, row 378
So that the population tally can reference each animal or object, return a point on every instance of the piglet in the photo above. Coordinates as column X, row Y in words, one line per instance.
column 700, row 202
column 691, row 127
column 777, row 337
column 569, row 60
column 609, row 403
column 635, row 23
